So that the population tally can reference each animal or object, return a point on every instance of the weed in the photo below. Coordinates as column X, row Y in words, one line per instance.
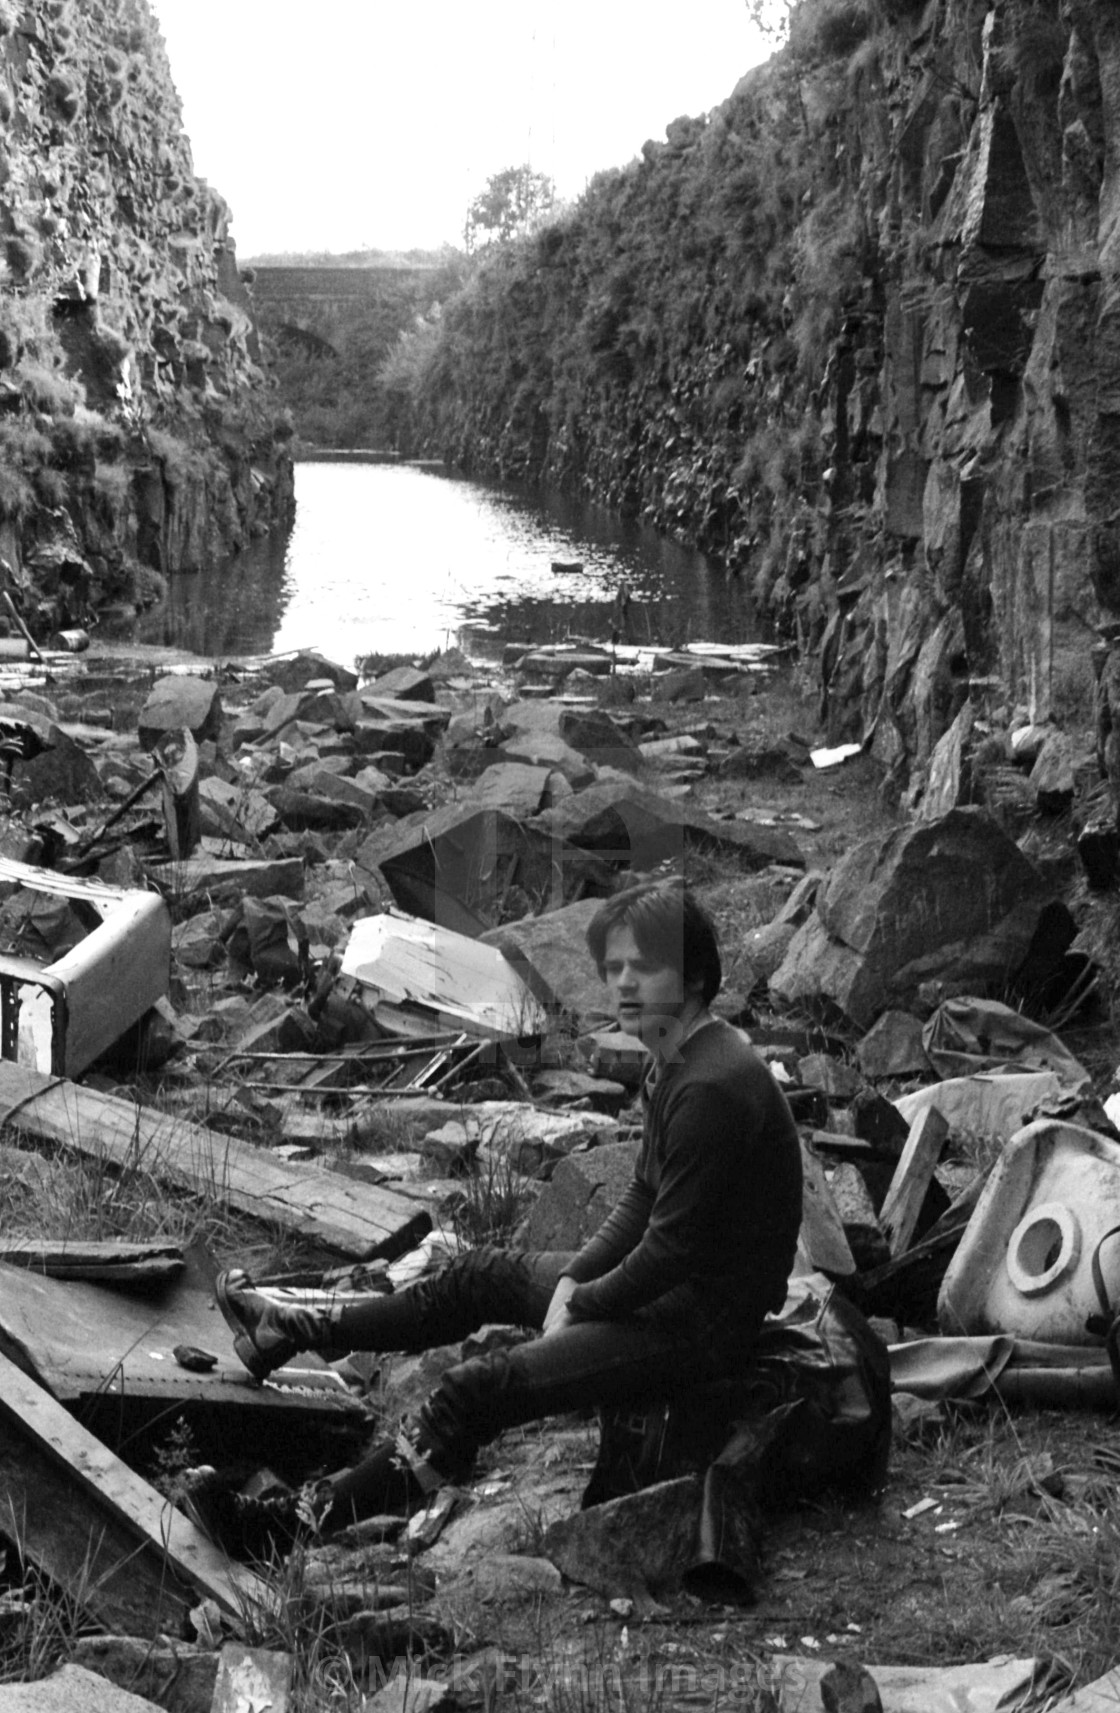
column 492, row 1203
column 173, row 1458
column 48, row 390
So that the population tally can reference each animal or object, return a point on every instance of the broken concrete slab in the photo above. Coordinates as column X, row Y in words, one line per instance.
column 180, row 701
column 902, row 912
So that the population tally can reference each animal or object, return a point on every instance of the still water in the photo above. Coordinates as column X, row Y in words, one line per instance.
column 389, row 559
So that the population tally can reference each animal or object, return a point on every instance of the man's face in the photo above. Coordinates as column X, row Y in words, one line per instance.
column 646, row 996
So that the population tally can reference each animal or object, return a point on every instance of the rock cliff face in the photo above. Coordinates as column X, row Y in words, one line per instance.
column 857, row 334
column 136, row 431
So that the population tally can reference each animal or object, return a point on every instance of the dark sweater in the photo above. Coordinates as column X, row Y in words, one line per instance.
column 715, row 1200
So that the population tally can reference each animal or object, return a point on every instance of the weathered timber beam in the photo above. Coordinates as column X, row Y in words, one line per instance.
column 353, row 1219
column 117, row 1547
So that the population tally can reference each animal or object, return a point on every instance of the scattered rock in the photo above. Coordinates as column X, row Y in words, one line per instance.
column 581, row 1192
column 630, row 1547
column 904, row 911
column 178, row 702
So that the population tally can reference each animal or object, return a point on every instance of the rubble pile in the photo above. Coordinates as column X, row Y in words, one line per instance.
column 360, row 974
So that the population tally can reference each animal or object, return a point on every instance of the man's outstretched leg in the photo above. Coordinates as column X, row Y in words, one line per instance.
column 654, row 1354
column 510, row 1287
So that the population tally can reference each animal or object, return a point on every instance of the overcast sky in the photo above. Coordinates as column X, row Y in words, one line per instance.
column 350, row 123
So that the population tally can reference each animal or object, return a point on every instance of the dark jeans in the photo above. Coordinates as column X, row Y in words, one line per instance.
column 675, row 1343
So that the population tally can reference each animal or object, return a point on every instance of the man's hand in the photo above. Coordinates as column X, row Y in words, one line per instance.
column 558, row 1316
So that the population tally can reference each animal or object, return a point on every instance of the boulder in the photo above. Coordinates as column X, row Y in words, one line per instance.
column 178, row 702
column 62, row 773
column 298, row 670
column 404, row 684
column 639, row 829
column 234, row 811
column 178, row 1676
column 589, row 731
column 553, row 948
column 300, row 810
column 1054, row 774
column 511, row 785
column 902, row 921
column 630, row 1546
column 580, row 1194
column 949, row 779
column 686, row 684
column 72, row 1689
column 544, row 749
column 893, row 1047
column 467, row 868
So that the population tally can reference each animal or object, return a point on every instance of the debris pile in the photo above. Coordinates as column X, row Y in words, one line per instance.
column 345, row 923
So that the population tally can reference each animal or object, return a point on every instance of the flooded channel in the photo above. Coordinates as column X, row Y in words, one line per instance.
column 388, row 558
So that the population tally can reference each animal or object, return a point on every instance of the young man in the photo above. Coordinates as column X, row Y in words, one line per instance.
column 670, row 1292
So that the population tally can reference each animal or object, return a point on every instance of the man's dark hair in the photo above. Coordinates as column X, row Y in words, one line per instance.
column 669, row 927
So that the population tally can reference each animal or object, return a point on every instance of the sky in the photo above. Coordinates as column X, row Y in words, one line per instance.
column 353, row 124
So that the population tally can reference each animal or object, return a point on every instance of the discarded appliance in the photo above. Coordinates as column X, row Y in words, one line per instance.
column 464, row 983
column 59, row 1017
column 1026, row 1262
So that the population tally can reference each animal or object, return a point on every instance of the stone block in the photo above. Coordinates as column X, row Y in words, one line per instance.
column 582, row 1191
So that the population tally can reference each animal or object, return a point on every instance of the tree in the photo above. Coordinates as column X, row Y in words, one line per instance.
column 513, row 201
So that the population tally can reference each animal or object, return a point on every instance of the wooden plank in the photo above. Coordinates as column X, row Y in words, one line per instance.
column 358, row 1220
column 903, row 1201
column 121, row 1549
column 110, row 1259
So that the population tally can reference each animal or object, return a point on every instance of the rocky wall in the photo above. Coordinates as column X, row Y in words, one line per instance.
column 857, row 335
column 137, row 430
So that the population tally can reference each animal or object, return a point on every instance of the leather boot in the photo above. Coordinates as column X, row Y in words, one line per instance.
column 268, row 1334
column 395, row 1478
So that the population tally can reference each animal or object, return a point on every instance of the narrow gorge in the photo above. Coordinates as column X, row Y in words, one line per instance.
column 856, row 333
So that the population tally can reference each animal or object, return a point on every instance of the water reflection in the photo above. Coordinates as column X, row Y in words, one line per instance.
column 388, row 559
